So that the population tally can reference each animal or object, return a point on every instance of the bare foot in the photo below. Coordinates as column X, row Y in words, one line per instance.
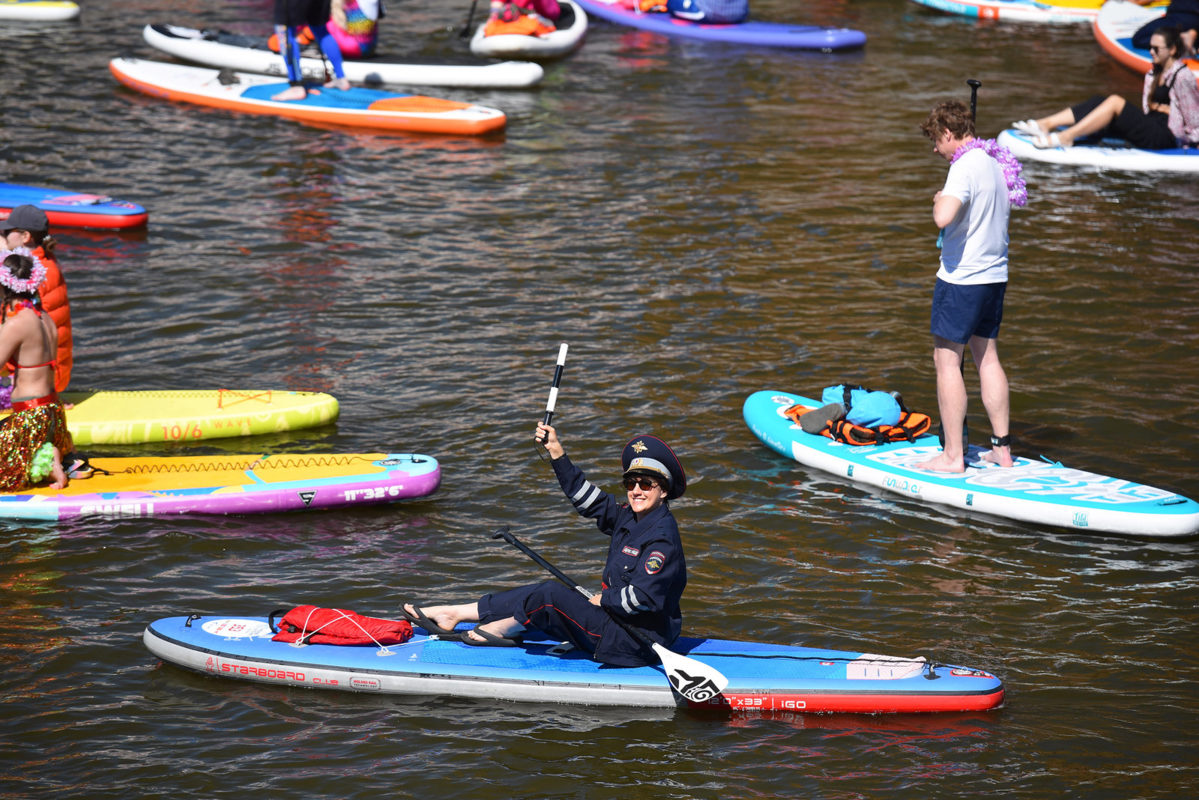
column 504, row 629
column 291, row 93
column 338, row 83
column 1000, row 456
column 60, row 478
column 943, row 463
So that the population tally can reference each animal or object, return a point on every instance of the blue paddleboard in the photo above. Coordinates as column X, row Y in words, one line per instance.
column 762, row 677
column 1041, row 492
column 66, row 209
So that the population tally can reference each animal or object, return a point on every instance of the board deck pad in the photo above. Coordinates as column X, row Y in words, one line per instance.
column 1037, row 491
column 229, row 484
column 762, row 677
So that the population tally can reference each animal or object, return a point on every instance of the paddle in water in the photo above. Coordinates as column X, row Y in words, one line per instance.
column 694, row 680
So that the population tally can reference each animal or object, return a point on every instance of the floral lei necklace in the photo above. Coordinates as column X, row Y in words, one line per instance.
column 1017, row 192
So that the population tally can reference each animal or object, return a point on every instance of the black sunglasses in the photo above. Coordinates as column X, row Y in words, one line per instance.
column 645, row 484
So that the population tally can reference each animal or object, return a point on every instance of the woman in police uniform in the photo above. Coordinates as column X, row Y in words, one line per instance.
column 643, row 579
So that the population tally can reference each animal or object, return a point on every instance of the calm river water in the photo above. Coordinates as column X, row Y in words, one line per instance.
column 697, row 222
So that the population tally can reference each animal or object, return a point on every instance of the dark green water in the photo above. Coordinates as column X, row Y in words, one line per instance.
column 698, row 222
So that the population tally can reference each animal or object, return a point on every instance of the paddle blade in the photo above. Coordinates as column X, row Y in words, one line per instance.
column 694, row 680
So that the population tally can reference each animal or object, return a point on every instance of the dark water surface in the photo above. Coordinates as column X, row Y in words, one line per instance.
column 698, row 222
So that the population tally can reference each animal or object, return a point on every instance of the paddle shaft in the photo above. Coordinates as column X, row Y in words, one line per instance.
column 692, row 679
column 470, row 17
column 973, row 84
column 553, row 399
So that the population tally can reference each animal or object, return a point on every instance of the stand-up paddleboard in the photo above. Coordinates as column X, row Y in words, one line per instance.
column 73, row 209
column 571, row 27
column 1114, row 27
column 1045, row 493
column 353, row 108
column 251, row 54
column 764, row 34
column 1050, row 11
column 1103, row 153
column 762, row 677
column 38, row 10
column 121, row 418
column 232, row 484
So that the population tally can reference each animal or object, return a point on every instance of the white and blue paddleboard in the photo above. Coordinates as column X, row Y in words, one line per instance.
column 1041, row 492
column 1102, row 154
column 762, row 677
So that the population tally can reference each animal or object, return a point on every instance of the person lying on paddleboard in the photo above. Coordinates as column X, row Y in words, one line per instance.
column 34, row 437
column 290, row 16
column 1168, row 116
column 643, row 579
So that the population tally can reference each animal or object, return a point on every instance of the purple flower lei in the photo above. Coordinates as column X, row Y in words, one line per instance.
column 1017, row 192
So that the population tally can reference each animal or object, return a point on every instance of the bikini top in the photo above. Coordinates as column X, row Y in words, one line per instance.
column 13, row 366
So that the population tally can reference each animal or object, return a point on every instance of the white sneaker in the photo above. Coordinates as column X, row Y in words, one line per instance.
column 1029, row 126
column 1046, row 142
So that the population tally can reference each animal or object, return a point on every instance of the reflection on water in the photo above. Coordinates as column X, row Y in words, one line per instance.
column 698, row 223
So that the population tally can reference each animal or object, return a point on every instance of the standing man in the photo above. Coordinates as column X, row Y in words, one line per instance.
column 972, row 212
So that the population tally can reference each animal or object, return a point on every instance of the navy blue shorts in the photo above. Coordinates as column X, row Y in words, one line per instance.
column 960, row 312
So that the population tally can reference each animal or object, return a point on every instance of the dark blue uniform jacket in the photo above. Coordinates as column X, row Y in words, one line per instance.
column 646, row 572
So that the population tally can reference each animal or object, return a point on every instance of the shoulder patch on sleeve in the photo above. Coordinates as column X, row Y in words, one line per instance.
column 654, row 562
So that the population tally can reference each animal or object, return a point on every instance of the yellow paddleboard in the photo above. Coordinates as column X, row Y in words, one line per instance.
column 121, row 418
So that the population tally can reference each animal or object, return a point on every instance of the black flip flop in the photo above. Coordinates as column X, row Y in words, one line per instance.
column 418, row 617
column 489, row 639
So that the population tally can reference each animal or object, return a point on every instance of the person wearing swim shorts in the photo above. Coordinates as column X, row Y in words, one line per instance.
column 972, row 211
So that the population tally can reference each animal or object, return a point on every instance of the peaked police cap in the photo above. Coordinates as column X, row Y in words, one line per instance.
column 650, row 455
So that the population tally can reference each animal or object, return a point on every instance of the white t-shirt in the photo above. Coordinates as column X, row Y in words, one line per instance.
column 974, row 248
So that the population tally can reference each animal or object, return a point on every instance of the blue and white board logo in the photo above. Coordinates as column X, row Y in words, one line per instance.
column 1080, row 519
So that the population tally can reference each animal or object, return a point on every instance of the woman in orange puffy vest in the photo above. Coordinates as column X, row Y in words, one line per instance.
column 27, row 226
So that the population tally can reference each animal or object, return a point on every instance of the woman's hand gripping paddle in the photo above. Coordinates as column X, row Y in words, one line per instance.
column 694, row 680
column 553, row 398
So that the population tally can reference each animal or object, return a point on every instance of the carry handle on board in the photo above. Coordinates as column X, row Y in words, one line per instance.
column 694, row 680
